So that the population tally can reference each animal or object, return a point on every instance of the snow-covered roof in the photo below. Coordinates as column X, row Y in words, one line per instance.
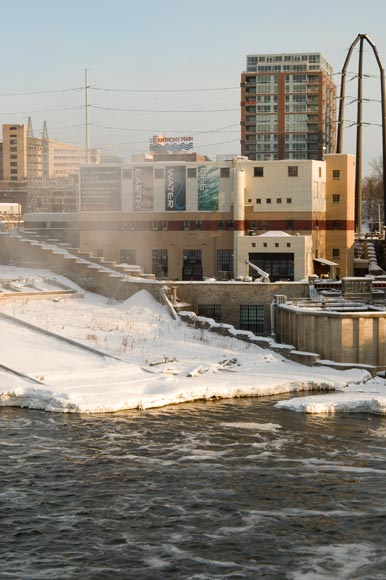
column 275, row 234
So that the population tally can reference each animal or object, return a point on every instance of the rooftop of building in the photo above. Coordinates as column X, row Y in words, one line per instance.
column 310, row 61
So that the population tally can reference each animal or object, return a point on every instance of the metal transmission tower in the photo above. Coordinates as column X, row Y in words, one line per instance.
column 30, row 132
column 361, row 38
column 45, row 151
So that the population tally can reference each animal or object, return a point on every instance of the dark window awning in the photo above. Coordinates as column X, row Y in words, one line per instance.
column 325, row 262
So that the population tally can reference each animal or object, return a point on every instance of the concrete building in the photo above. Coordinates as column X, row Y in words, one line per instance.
column 193, row 220
column 287, row 107
column 27, row 157
column 15, row 167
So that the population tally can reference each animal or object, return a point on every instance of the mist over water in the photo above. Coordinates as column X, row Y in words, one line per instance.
column 231, row 489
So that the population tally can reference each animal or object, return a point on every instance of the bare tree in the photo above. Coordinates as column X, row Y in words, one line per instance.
column 372, row 196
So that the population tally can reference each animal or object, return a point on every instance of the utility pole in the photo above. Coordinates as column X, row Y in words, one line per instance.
column 358, row 158
column 87, row 123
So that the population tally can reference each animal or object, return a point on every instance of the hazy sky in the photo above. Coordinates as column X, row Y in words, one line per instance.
column 138, row 52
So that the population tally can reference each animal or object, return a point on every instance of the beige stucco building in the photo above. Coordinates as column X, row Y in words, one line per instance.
column 206, row 219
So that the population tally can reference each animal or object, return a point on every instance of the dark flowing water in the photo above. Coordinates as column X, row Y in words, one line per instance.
column 230, row 490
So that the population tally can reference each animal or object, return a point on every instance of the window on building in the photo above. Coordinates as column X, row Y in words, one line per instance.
column 289, row 199
column 336, row 199
column 159, row 260
column 289, row 225
column 293, row 171
column 186, row 226
column 154, row 225
column 220, row 225
column 268, row 200
column 249, row 201
column 258, row 171
column 13, row 149
column 164, row 225
column 336, row 253
column 276, row 244
column 278, row 200
column 210, row 311
column 336, row 174
column 288, row 244
column 191, row 172
column 13, row 156
column 336, row 225
column 159, row 173
column 258, row 200
column 320, row 172
column 13, row 171
column 192, row 255
column 252, row 318
column 264, row 225
column 225, row 261
column 13, row 164
column 13, row 141
column 230, row 225
column 225, row 172
column 198, row 225
column 127, row 256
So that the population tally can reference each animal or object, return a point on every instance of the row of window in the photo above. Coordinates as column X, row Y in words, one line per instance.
column 251, row 315
column 268, row 200
column 160, row 257
column 187, row 225
column 224, row 258
column 293, row 171
column 276, row 244
column 228, row 225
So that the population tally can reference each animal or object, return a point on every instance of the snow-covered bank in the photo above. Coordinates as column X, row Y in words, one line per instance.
column 369, row 397
column 162, row 360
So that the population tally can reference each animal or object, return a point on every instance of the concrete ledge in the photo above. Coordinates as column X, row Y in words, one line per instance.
column 346, row 366
column 305, row 358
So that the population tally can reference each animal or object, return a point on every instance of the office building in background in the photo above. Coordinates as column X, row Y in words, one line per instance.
column 288, row 108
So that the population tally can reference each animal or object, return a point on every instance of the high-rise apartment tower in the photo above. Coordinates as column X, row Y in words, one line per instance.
column 287, row 107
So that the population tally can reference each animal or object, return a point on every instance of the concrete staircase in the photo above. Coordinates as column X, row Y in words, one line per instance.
column 88, row 271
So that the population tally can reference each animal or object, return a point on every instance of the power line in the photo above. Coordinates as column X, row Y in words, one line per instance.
column 219, row 143
column 44, row 111
column 199, row 90
column 158, row 131
column 42, row 92
column 164, row 110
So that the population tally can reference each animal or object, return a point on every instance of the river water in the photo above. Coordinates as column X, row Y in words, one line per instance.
column 230, row 489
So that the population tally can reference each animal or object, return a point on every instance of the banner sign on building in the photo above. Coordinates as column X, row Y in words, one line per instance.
column 175, row 188
column 164, row 144
column 100, row 188
column 143, row 188
column 208, row 184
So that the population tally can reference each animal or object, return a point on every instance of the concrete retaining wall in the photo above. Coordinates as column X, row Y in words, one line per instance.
column 347, row 337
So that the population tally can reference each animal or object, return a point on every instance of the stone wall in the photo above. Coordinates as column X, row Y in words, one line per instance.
column 230, row 295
